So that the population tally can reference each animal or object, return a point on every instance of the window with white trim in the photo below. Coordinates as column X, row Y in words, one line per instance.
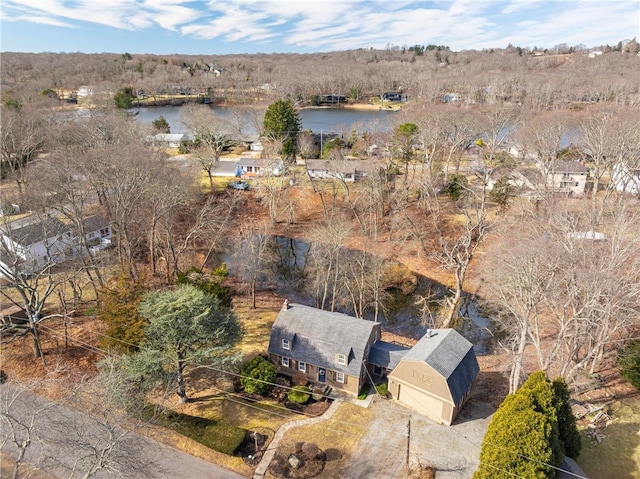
column 285, row 344
column 302, row 366
column 342, row 359
column 285, row 362
column 339, row 377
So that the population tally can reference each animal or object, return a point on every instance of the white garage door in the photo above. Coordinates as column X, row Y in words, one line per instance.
column 420, row 401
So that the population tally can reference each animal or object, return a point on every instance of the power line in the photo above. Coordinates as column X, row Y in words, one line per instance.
column 99, row 351
column 81, row 344
column 246, row 402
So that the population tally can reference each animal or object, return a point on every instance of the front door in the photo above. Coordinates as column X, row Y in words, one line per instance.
column 322, row 375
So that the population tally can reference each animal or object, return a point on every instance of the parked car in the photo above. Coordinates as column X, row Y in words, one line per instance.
column 239, row 185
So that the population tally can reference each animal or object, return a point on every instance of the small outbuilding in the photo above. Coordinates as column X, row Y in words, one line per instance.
column 436, row 376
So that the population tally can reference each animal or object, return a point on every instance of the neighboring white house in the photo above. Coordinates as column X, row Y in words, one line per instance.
column 567, row 177
column 259, row 167
column 329, row 169
column 84, row 92
column 256, row 146
column 97, row 233
column 627, row 180
column 587, row 235
column 171, row 140
column 31, row 244
column 29, row 247
column 520, row 153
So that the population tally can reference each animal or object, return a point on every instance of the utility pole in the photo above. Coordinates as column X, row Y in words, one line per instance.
column 406, row 459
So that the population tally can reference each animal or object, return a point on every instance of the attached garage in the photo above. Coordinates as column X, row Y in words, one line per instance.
column 436, row 376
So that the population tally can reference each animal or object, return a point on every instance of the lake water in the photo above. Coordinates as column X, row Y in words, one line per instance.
column 325, row 120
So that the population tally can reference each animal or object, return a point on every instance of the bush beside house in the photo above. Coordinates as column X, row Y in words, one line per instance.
column 530, row 433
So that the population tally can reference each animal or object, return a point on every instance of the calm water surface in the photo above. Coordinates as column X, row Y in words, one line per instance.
column 326, row 120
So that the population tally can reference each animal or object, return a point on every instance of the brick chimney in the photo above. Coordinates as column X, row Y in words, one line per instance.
column 285, row 305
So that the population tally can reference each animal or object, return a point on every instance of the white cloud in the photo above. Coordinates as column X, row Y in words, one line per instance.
column 519, row 5
column 342, row 24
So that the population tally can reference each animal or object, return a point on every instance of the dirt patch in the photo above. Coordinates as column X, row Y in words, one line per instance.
column 300, row 460
column 423, row 473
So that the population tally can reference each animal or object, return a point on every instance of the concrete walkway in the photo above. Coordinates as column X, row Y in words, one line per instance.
column 273, row 446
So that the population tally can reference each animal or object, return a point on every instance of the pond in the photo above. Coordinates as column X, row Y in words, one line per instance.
column 399, row 311
column 325, row 120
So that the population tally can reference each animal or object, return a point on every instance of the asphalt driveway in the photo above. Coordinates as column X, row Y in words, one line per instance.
column 453, row 450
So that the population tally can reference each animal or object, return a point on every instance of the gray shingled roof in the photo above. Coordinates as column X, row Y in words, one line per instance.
column 387, row 355
column 94, row 223
column 569, row 167
column 331, row 166
column 317, row 336
column 39, row 231
column 451, row 355
column 258, row 162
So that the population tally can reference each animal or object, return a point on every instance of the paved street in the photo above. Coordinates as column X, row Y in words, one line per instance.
column 67, row 438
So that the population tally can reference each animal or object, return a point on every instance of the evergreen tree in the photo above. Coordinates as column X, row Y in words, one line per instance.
column 567, row 427
column 517, row 442
column 161, row 125
column 209, row 283
column 124, row 98
column 629, row 362
column 503, row 192
column 544, row 401
column 530, row 432
column 119, row 310
column 186, row 327
column 282, row 123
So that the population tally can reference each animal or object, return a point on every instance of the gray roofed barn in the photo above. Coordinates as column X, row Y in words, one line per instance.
column 442, row 349
column 436, row 376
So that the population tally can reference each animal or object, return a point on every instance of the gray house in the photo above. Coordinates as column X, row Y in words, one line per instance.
column 434, row 377
column 329, row 348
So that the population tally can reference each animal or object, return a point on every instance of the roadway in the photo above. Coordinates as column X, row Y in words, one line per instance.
column 66, row 439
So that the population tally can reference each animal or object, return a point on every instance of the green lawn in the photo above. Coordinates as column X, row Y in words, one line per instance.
column 618, row 455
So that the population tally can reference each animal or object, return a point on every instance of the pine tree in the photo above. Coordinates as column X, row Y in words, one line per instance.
column 282, row 123
column 186, row 327
column 119, row 310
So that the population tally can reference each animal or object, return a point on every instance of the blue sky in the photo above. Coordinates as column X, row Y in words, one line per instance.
column 304, row 26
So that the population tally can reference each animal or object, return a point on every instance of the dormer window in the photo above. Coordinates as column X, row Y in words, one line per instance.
column 286, row 344
column 342, row 359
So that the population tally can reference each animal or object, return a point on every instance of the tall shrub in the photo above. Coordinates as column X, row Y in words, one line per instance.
column 629, row 363
column 567, row 427
column 530, row 432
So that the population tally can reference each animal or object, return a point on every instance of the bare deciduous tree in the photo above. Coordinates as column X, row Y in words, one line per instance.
column 24, row 131
column 31, row 280
column 560, row 287
column 21, row 422
column 254, row 256
column 459, row 236
column 212, row 133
